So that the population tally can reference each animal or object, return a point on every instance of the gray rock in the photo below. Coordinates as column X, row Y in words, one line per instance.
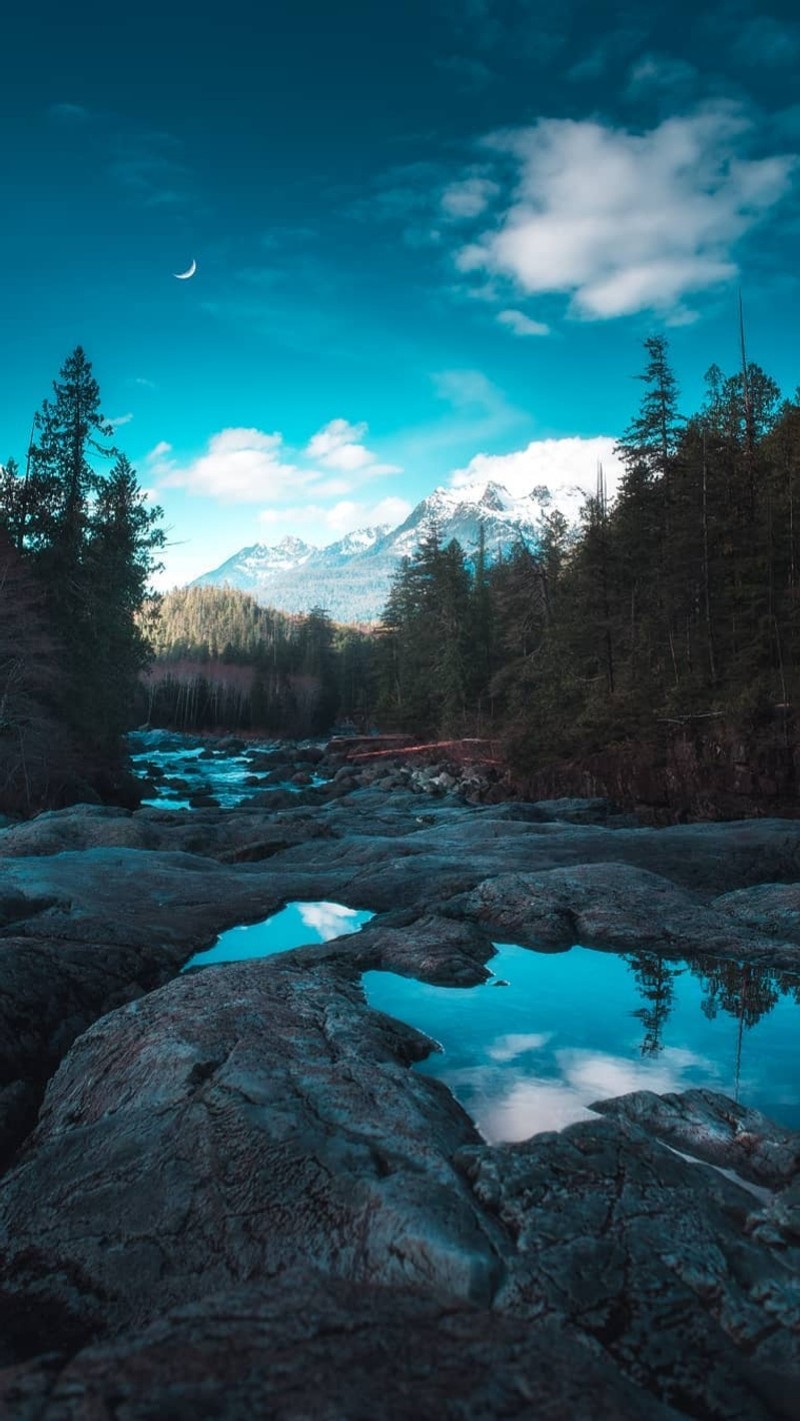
column 324, row 1348
column 613, row 906
column 714, row 1128
column 650, row 1256
column 238, row 1121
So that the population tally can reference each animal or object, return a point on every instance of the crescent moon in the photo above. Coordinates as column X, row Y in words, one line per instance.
column 184, row 275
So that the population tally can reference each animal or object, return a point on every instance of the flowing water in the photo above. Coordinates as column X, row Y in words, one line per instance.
column 182, row 768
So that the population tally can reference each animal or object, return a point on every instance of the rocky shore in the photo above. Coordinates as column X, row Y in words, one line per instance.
column 225, row 1194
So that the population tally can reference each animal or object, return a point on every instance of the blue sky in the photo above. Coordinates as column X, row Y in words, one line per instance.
column 429, row 238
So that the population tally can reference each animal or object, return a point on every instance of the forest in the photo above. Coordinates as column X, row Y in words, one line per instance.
column 663, row 629
column 665, row 625
column 77, row 550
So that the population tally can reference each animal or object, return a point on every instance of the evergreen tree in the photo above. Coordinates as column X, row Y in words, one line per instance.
column 123, row 539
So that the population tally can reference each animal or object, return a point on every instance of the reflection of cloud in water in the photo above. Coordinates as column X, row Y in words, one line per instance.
column 597, row 1075
column 514, row 1044
column 329, row 920
column 513, row 1105
column 530, row 1105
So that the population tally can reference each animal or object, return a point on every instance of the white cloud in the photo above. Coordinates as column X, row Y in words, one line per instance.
column 622, row 222
column 550, row 463
column 521, row 325
column 249, row 466
column 321, row 524
column 514, row 1044
column 468, row 198
column 240, row 466
column 338, row 446
column 120, row 419
column 328, row 920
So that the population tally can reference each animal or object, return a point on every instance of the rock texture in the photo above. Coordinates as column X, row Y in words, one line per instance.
column 323, row 1348
column 227, row 1194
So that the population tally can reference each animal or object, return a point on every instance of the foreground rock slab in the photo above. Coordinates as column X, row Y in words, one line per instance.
column 234, row 1123
column 321, row 1347
column 651, row 1256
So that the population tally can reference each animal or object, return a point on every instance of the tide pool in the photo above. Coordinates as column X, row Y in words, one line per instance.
column 565, row 1029
column 297, row 925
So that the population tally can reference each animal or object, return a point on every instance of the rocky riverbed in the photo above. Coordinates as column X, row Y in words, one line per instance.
column 226, row 1193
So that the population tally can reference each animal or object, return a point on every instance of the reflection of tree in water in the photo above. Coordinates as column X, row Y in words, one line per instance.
column 743, row 990
column 655, row 977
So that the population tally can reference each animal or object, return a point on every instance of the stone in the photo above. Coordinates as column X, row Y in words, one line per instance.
column 323, row 1347
column 712, row 1127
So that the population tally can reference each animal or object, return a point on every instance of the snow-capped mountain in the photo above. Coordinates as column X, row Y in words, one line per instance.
column 351, row 577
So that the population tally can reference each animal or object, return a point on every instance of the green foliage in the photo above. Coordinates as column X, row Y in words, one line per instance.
column 224, row 661
column 89, row 542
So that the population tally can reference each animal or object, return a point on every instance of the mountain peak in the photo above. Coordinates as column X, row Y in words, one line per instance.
column 351, row 578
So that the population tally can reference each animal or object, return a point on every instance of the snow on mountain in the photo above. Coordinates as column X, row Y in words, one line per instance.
column 351, row 577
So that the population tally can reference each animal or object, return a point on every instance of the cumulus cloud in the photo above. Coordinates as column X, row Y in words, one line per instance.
column 339, row 446
column 547, row 463
column 622, row 222
column 241, row 466
column 250, row 466
column 521, row 325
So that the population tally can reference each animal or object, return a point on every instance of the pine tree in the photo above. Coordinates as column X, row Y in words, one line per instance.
column 123, row 539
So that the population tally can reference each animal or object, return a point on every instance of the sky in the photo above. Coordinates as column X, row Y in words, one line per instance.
column 429, row 239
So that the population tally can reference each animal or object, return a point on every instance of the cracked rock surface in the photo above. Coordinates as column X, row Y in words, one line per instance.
column 227, row 1193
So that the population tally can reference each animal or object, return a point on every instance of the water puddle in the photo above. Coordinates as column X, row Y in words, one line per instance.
column 551, row 1032
column 297, row 925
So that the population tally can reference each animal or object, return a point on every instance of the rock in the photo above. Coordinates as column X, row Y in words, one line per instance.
column 239, row 1121
column 322, row 1347
column 650, row 1256
column 769, row 908
column 574, row 810
column 711, row 1127
column 613, row 906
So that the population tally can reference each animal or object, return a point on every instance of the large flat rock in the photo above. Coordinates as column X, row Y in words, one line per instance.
column 232, row 1124
column 322, row 1347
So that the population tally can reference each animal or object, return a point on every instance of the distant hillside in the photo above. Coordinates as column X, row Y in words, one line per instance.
column 351, row 578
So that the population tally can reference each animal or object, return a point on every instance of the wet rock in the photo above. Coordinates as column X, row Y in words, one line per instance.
column 770, row 908
column 612, row 906
column 714, row 1128
column 432, row 948
column 322, row 1347
column 238, row 1121
column 651, row 1257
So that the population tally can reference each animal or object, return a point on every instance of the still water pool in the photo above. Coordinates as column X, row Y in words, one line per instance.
column 569, row 1028
column 297, row 925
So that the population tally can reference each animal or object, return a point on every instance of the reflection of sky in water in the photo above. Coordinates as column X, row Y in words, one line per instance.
column 298, row 925
column 533, row 1055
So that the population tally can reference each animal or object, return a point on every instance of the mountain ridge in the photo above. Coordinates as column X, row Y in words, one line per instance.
column 351, row 577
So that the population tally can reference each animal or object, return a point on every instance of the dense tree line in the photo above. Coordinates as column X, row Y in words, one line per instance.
column 223, row 661
column 674, row 605
column 77, row 547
